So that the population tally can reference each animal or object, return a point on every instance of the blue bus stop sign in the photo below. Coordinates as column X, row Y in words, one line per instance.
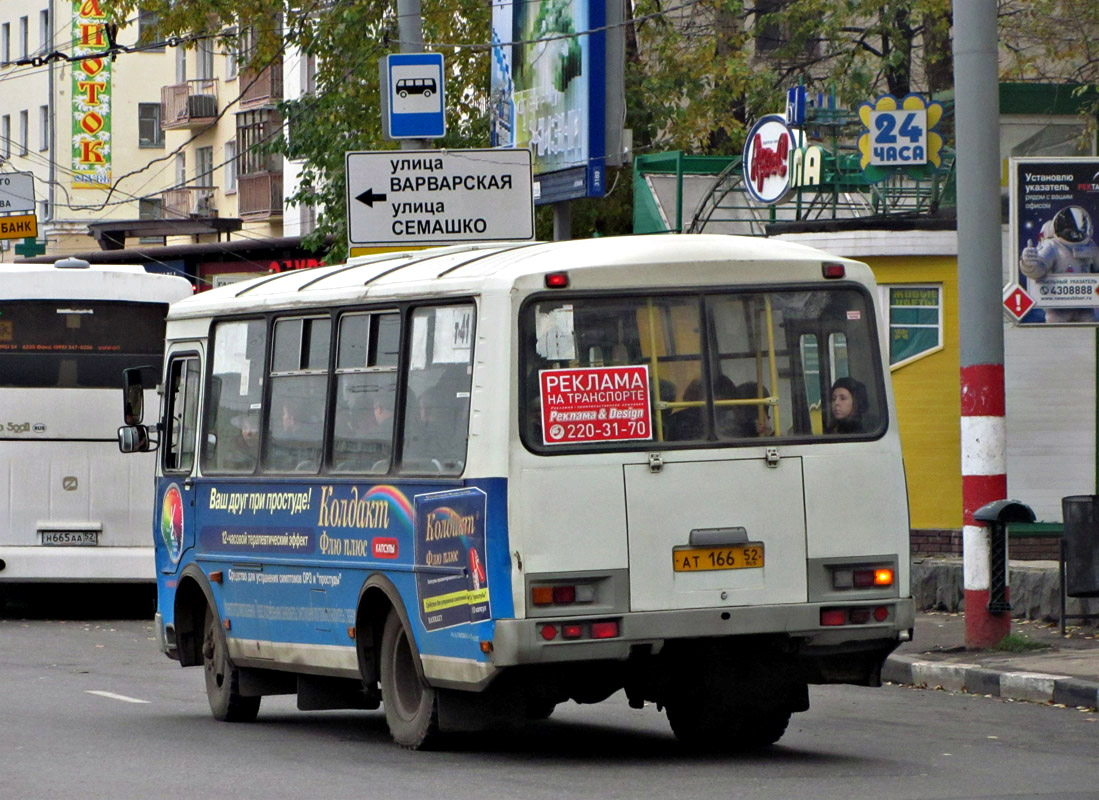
column 413, row 97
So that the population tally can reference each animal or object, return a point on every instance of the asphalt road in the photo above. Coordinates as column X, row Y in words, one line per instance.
column 91, row 709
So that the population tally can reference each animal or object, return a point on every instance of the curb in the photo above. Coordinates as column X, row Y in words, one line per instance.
column 1036, row 687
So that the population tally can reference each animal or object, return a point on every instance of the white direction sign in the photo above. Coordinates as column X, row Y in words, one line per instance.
column 417, row 197
column 16, row 191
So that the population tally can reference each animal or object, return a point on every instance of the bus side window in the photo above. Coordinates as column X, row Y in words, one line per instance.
column 182, row 414
column 436, row 409
column 299, row 377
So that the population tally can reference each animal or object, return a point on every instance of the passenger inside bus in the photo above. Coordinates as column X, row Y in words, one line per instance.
column 240, row 449
column 850, row 407
column 749, row 420
column 364, row 428
column 436, row 425
column 690, row 423
column 293, row 444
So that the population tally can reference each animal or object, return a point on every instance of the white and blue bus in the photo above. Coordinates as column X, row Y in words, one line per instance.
column 72, row 508
column 471, row 483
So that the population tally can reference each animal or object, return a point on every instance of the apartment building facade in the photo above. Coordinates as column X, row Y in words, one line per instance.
column 145, row 146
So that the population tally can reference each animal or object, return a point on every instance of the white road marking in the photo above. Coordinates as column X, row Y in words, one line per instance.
column 113, row 696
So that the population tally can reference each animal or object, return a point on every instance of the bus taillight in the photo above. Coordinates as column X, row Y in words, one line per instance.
column 859, row 615
column 561, row 594
column 862, row 577
column 604, row 630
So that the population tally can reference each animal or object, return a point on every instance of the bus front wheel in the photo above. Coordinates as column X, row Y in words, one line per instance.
column 411, row 707
column 222, row 678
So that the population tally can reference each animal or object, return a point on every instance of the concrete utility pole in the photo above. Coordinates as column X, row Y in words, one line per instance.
column 410, row 29
column 984, row 459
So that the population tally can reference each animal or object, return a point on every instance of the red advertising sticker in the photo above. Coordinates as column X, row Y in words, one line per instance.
column 595, row 404
column 385, row 547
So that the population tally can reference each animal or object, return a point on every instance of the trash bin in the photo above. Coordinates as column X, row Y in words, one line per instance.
column 1081, row 545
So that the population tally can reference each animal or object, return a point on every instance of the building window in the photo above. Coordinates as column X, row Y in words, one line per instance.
column 5, row 136
column 232, row 53
column 255, row 131
column 44, row 127
column 24, row 37
column 204, row 54
column 230, row 166
column 915, row 321
column 149, row 132
column 308, row 74
column 181, row 169
column 24, row 131
column 146, row 30
column 204, row 166
column 5, row 42
column 307, row 219
column 150, row 208
column 44, row 30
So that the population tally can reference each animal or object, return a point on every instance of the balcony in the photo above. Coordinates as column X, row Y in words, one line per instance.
column 192, row 104
column 259, row 195
column 189, row 202
column 262, row 89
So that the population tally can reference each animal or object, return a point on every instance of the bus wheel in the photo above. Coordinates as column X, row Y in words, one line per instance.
column 761, row 728
column 222, row 678
column 713, row 728
column 411, row 707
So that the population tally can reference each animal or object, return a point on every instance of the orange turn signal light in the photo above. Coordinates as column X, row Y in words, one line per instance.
column 883, row 577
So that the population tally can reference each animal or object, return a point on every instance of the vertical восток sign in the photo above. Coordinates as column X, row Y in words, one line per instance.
column 91, row 97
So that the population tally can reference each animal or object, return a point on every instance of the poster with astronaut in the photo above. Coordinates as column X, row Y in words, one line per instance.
column 1054, row 210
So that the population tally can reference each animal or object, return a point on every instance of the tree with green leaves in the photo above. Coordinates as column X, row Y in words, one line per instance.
column 699, row 75
column 698, row 72
column 1054, row 41
column 344, row 112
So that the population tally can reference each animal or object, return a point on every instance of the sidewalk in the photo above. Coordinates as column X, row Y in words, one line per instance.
column 1060, row 670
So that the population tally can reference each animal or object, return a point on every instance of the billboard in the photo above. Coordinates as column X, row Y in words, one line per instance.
column 549, row 90
column 1055, row 260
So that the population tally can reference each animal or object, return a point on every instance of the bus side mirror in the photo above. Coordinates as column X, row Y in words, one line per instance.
column 134, row 439
column 133, row 398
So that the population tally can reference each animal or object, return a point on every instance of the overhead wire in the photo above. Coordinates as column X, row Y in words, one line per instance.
column 174, row 41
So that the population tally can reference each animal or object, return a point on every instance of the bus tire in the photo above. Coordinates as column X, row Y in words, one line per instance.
column 411, row 706
column 222, row 678
column 761, row 728
column 713, row 728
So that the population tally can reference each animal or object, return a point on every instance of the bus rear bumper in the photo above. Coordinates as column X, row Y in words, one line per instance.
column 525, row 641
column 72, row 564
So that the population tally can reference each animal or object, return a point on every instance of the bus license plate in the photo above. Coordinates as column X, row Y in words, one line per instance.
column 735, row 556
column 79, row 538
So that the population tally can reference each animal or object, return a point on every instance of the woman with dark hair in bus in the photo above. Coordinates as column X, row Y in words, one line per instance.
column 850, row 404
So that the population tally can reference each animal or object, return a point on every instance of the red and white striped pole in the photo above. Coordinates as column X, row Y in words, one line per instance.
column 980, row 316
column 984, row 480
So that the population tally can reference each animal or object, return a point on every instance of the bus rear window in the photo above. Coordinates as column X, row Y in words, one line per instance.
column 700, row 369
column 77, row 343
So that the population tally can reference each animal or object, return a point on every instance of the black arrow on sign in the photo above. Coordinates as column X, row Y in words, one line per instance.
column 369, row 197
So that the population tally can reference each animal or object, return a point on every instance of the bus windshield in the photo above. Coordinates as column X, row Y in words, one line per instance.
column 700, row 368
column 70, row 344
